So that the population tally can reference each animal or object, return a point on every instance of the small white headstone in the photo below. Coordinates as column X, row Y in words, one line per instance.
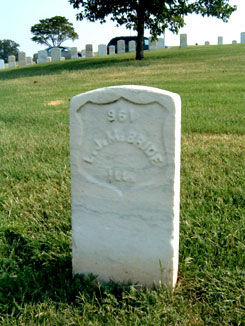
column 183, row 40
column 62, row 58
column 120, row 46
column 112, row 49
column 11, row 61
column 206, row 43
column 29, row 61
column 242, row 37
column 160, row 43
column 83, row 52
column 220, row 40
column 42, row 56
column 21, row 59
column 102, row 50
column 74, row 54
column 152, row 44
column 6, row 65
column 125, row 182
column 131, row 46
column 89, row 51
column 2, row 64
column 56, row 54
column 234, row 42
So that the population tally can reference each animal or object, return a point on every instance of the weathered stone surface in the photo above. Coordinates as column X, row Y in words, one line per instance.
column 29, row 61
column 120, row 46
column 160, row 43
column 83, row 52
column 2, row 66
column 125, row 170
column 112, row 49
column 42, row 56
column 183, row 40
column 207, row 43
column 56, row 54
column 220, row 40
column 89, row 51
column 21, row 59
column 102, row 50
column 74, row 54
column 131, row 46
column 242, row 37
column 152, row 44
column 11, row 61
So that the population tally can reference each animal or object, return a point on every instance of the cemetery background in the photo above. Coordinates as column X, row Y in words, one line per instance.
column 36, row 285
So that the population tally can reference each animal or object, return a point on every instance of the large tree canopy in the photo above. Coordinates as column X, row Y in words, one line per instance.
column 53, row 31
column 155, row 15
column 8, row 47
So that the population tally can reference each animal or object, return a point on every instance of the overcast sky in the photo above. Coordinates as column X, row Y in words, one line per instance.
column 17, row 17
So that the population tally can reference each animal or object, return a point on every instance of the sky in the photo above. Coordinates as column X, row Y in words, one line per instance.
column 17, row 17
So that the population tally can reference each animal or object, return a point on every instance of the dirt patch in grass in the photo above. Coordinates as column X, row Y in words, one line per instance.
column 56, row 102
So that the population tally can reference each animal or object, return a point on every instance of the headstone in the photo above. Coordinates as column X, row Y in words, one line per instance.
column 220, row 40
column 42, row 56
column 183, row 40
column 29, row 61
column 21, row 59
column 160, row 43
column 234, row 42
column 152, row 44
column 49, row 59
column 62, row 58
column 74, row 54
column 56, row 54
column 83, row 54
column 11, row 61
column 125, row 175
column 131, row 46
column 206, row 43
column 2, row 64
column 120, row 46
column 242, row 37
column 112, row 49
column 89, row 51
column 6, row 65
column 102, row 50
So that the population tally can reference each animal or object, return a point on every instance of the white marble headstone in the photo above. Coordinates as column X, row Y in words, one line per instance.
column 234, row 42
column 2, row 66
column 125, row 182
column 29, row 61
column 56, row 54
column 207, row 43
column 74, row 54
column 21, row 59
column 11, row 61
column 160, row 43
column 183, row 40
column 89, row 51
column 42, row 56
column 120, row 46
column 112, row 49
column 220, row 40
column 152, row 44
column 242, row 37
column 102, row 50
column 131, row 46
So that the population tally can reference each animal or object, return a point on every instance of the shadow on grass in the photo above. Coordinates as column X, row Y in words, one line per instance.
column 27, row 279
column 71, row 65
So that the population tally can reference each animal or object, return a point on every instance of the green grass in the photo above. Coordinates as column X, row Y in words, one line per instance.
column 36, row 284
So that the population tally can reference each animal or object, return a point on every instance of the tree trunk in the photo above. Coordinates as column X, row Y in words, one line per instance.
column 140, row 35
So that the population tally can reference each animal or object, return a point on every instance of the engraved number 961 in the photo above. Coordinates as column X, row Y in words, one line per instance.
column 121, row 115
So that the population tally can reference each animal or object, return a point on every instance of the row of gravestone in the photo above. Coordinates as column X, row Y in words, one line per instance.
column 183, row 40
column 88, row 51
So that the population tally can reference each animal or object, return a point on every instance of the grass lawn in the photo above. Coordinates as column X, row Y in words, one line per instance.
column 36, row 284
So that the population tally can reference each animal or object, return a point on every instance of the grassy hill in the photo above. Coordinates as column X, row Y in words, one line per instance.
column 36, row 284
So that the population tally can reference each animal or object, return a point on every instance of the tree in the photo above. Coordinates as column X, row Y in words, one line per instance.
column 8, row 47
column 155, row 15
column 53, row 31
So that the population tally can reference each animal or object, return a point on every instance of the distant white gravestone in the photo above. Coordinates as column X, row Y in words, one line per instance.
column 120, row 46
column 242, row 37
column 2, row 66
column 131, row 46
column 42, row 56
column 56, row 54
column 112, row 49
column 22, row 59
column 183, row 40
column 11, row 61
column 125, row 181
column 220, row 40
column 102, row 50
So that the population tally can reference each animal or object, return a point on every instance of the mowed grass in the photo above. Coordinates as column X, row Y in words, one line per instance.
column 36, row 283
